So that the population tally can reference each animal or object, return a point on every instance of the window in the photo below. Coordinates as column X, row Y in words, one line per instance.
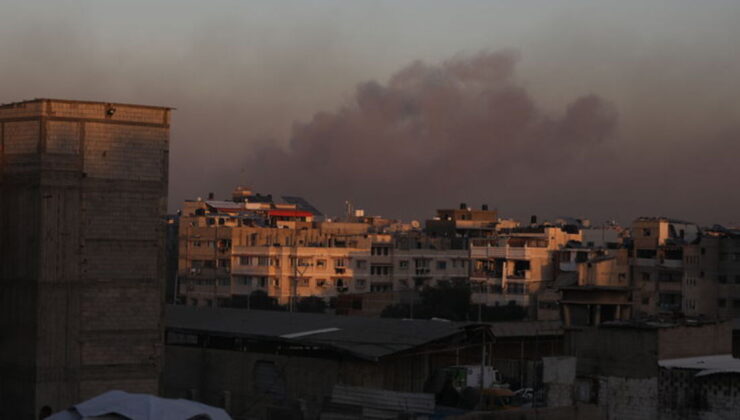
column 380, row 270
column 645, row 276
column 263, row 282
column 380, row 287
column 646, row 253
column 703, row 251
column 441, row 265
column 621, row 276
column 276, row 282
column 224, row 282
column 245, row 260
column 361, row 264
column 380, row 250
column 339, row 262
column 646, row 300
column 360, row 283
column 421, row 263
column 403, row 264
column 244, row 280
column 516, row 288
column 646, row 232
column 321, row 283
column 304, row 282
column 321, row 263
column 263, row 261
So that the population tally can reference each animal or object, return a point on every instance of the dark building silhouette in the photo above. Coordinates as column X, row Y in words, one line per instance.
column 83, row 189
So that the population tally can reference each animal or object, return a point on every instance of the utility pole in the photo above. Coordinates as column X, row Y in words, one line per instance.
column 482, row 365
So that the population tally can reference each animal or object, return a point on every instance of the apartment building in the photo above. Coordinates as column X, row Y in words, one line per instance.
column 463, row 223
column 410, row 262
column 657, row 260
column 206, row 231
column 289, row 263
column 711, row 282
column 594, row 284
column 517, row 265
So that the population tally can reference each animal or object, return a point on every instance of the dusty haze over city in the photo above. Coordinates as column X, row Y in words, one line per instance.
column 540, row 107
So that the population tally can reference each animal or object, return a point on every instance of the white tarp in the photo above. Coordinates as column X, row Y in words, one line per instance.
column 140, row 407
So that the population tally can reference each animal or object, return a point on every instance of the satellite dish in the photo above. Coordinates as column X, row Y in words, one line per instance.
column 415, row 224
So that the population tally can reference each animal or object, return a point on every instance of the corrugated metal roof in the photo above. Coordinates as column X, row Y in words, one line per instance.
column 369, row 338
column 526, row 328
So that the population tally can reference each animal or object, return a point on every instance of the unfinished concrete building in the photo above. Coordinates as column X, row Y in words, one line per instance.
column 83, row 189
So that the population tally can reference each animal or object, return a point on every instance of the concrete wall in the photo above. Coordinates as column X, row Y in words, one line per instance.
column 82, row 191
column 628, row 398
column 626, row 352
column 690, row 341
column 207, row 375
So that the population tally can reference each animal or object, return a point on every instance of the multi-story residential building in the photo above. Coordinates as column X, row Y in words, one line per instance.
column 463, row 223
column 410, row 262
column 229, row 249
column 206, row 233
column 594, row 285
column 711, row 281
column 288, row 263
column 83, row 189
column 516, row 265
column 657, row 260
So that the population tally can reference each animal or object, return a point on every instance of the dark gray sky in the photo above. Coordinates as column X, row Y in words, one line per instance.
column 598, row 109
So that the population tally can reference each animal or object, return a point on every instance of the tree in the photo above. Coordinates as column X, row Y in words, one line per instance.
column 509, row 312
column 255, row 300
column 448, row 300
column 311, row 304
column 396, row 311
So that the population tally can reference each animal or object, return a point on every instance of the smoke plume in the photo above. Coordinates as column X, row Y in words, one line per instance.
column 435, row 131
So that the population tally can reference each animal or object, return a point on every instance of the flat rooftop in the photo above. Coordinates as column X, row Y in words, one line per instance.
column 74, row 101
column 368, row 338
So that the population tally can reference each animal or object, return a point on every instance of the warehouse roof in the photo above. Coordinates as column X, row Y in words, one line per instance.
column 526, row 328
column 368, row 338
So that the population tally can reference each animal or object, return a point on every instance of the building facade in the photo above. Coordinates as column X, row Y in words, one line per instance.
column 83, row 188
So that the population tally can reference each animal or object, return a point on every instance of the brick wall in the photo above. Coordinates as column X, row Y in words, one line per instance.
column 83, row 190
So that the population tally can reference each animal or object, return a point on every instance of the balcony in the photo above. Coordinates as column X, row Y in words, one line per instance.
column 675, row 264
column 423, row 271
column 568, row 266
column 507, row 252
column 645, row 262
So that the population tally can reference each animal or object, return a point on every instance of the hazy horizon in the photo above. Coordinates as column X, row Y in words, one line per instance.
column 554, row 108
